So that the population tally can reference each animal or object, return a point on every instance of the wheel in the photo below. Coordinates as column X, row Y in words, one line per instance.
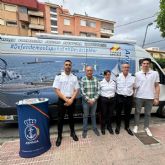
column 161, row 109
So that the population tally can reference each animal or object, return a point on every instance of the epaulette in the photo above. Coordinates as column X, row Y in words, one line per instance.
column 114, row 81
column 133, row 74
column 58, row 74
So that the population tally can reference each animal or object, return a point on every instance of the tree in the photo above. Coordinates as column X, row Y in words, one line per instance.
column 161, row 18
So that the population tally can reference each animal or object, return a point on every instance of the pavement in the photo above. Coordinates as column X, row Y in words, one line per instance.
column 107, row 149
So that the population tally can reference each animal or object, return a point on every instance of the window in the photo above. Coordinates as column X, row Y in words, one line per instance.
column 87, row 23
column 24, row 26
column 34, row 20
column 2, row 22
column 84, row 34
column 67, row 33
column 22, row 9
column 1, row 7
column 53, row 16
column 10, row 8
column 41, row 21
column 53, row 22
column 92, row 24
column 66, row 21
column 53, row 29
column 11, row 23
column 82, row 22
column 53, row 10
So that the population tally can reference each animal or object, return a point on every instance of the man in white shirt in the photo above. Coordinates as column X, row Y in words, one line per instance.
column 125, row 90
column 147, row 93
column 66, row 87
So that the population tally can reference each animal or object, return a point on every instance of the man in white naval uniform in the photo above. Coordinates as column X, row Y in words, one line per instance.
column 66, row 87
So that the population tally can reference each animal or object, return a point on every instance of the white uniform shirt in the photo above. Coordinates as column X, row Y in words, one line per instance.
column 66, row 83
column 125, row 84
column 145, row 84
column 107, row 89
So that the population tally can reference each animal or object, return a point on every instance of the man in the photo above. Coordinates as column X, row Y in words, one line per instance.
column 90, row 94
column 147, row 93
column 66, row 87
column 125, row 86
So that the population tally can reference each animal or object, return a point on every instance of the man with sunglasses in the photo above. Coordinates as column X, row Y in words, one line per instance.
column 66, row 87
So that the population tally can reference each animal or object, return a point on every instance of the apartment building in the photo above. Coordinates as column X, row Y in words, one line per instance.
column 23, row 18
column 28, row 17
column 156, row 53
column 60, row 21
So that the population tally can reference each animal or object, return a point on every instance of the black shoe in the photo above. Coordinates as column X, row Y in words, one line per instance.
column 129, row 131
column 96, row 132
column 117, row 130
column 103, row 132
column 58, row 141
column 74, row 136
column 110, row 130
column 84, row 134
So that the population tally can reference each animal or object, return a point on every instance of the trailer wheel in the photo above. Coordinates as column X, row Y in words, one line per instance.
column 161, row 109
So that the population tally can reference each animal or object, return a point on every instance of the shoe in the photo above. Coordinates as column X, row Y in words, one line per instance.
column 84, row 134
column 96, row 132
column 74, row 136
column 103, row 132
column 58, row 141
column 117, row 130
column 147, row 130
column 110, row 130
column 129, row 131
column 135, row 129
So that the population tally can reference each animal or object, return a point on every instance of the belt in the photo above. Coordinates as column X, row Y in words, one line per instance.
column 68, row 97
column 107, row 97
column 124, row 95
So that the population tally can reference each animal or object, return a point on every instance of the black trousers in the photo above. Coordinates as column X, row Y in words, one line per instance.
column 107, row 108
column 61, row 113
column 123, row 103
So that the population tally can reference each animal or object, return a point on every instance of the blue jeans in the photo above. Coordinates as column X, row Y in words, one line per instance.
column 86, row 110
column 147, row 110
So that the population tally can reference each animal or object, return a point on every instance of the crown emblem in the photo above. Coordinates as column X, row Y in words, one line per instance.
column 29, row 122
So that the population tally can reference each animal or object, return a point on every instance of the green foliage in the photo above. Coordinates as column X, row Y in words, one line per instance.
column 161, row 62
column 161, row 18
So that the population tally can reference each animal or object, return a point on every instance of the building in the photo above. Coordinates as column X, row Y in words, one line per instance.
column 156, row 53
column 21, row 17
column 28, row 17
column 60, row 21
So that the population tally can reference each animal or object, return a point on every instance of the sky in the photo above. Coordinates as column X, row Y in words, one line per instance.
column 122, row 12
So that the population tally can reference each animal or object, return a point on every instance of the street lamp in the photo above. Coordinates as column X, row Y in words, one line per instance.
column 146, row 33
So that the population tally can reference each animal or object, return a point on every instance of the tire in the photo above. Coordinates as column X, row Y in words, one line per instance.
column 161, row 109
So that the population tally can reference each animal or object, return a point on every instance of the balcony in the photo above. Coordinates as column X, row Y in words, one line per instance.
column 36, row 13
column 106, row 32
column 38, row 27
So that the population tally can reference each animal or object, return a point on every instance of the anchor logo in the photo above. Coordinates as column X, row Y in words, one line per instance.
column 31, row 131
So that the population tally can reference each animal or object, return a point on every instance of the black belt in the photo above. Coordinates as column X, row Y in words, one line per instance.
column 124, row 95
column 107, row 97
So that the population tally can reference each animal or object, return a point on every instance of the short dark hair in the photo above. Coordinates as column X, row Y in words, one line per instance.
column 106, row 71
column 145, row 59
column 68, row 61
